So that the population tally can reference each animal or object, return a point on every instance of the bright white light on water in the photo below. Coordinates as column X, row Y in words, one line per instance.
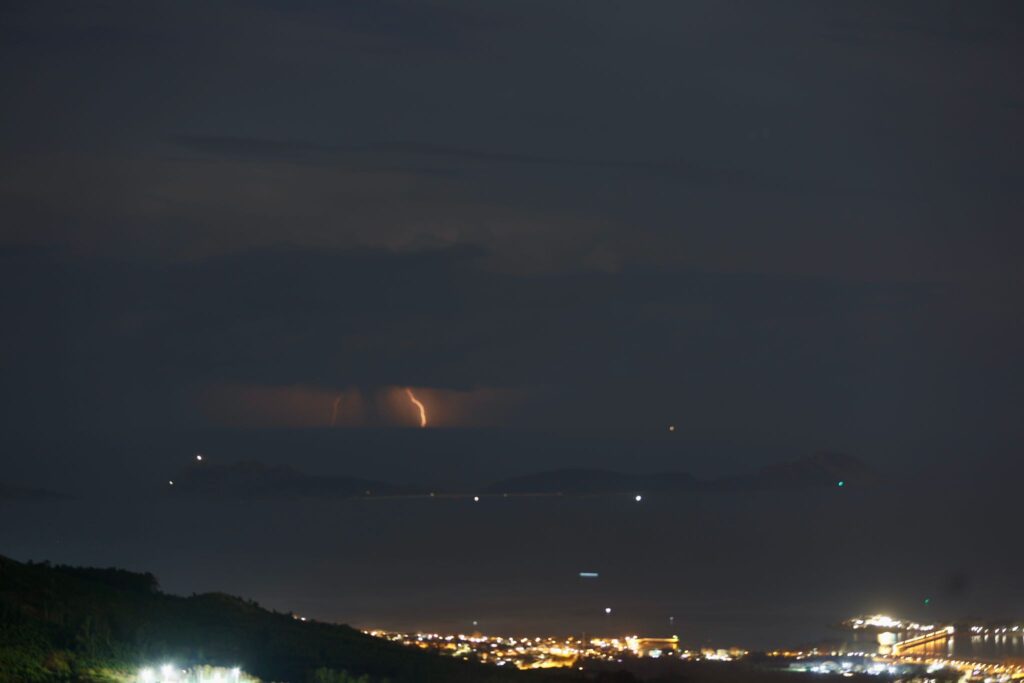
column 589, row 575
column 199, row 457
column 607, row 610
column 638, row 498
column 476, row 499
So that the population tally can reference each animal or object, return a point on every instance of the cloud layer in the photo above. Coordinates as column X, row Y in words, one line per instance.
column 274, row 336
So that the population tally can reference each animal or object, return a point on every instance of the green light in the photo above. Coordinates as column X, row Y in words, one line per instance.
column 927, row 601
column 841, row 483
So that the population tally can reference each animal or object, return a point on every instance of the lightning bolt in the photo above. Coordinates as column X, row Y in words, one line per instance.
column 334, row 410
column 419, row 406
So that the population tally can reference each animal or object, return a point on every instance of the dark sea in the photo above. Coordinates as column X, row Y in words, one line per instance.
column 757, row 570
column 995, row 647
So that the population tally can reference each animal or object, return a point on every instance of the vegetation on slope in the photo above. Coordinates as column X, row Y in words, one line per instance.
column 62, row 623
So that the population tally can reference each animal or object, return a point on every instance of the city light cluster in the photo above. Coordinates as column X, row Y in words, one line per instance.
column 849, row 667
column 852, row 663
column 550, row 652
column 988, row 671
column 893, row 657
column 887, row 622
column 986, row 630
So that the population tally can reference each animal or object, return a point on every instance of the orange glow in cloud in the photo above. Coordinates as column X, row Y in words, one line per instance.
column 304, row 406
column 419, row 406
column 334, row 410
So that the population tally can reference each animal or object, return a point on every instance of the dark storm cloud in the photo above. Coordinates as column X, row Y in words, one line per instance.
column 732, row 211
column 779, row 227
column 449, row 157
column 409, row 156
column 12, row 493
column 109, row 342
column 876, row 141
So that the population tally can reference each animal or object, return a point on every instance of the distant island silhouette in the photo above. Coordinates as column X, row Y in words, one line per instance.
column 253, row 479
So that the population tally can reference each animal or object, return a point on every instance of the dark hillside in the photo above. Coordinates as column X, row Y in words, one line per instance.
column 66, row 624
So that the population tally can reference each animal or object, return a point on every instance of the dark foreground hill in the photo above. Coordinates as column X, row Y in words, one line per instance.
column 75, row 624
column 72, row 624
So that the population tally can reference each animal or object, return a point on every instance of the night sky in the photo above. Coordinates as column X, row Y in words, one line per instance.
column 245, row 229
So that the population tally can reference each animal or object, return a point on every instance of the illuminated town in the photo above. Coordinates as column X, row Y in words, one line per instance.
column 904, row 647
column 550, row 652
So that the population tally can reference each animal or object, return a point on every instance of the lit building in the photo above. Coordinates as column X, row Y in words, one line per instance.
column 652, row 647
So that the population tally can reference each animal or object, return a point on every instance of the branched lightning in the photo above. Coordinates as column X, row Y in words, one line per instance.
column 416, row 402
